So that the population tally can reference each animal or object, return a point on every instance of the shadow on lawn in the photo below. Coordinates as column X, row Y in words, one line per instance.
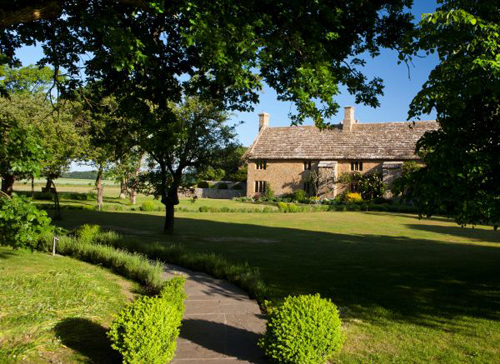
column 88, row 338
column 462, row 232
column 223, row 339
column 371, row 277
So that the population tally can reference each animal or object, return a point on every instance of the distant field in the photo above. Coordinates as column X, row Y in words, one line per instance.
column 66, row 181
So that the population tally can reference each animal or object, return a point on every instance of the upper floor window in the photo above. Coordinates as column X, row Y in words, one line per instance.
column 356, row 166
column 307, row 165
column 261, row 164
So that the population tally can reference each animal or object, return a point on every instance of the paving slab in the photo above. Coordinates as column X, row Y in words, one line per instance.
column 221, row 324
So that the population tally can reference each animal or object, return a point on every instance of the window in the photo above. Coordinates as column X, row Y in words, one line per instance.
column 307, row 165
column 260, row 164
column 356, row 166
column 260, row 186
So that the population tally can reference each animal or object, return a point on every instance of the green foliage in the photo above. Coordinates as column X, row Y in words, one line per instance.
column 287, row 207
column 146, row 330
column 203, row 184
column 268, row 193
column 404, row 184
column 300, row 195
column 237, row 187
column 461, row 175
column 148, row 206
column 222, row 186
column 87, row 233
column 21, row 152
column 21, row 223
column 304, row 329
column 90, row 175
column 371, row 186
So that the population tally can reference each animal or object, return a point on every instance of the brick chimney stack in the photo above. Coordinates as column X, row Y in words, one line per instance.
column 348, row 118
column 263, row 120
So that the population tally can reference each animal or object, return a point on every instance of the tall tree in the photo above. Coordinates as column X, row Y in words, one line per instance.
column 461, row 176
column 146, row 50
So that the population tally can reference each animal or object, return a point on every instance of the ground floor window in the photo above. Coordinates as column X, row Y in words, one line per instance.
column 260, row 186
column 308, row 187
column 356, row 166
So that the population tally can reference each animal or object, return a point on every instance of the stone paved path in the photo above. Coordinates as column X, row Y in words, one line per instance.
column 221, row 324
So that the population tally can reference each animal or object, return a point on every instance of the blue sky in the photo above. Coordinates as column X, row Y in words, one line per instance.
column 398, row 93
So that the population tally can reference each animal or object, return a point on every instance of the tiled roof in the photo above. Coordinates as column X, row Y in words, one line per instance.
column 388, row 141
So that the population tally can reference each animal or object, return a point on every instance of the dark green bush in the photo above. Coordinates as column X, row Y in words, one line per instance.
column 203, row 208
column 21, row 223
column 222, row 186
column 148, row 206
column 300, row 195
column 304, row 329
column 203, row 184
column 146, row 330
column 237, row 187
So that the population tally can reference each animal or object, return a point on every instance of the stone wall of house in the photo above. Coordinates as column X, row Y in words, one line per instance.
column 287, row 176
column 284, row 176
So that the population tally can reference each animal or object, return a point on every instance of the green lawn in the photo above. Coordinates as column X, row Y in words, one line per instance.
column 56, row 309
column 409, row 290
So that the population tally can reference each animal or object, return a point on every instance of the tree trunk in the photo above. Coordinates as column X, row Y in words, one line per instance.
column 133, row 196
column 170, row 200
column 100, row 189
column 48, row 185
column 8, row 183
column 123, row 189
column 169, row 219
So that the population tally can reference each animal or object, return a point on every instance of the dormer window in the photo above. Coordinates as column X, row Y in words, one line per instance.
column 356, row 166
column 261, row 164
column 307, row 165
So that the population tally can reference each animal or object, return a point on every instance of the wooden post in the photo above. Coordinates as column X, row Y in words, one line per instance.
column 54, row 245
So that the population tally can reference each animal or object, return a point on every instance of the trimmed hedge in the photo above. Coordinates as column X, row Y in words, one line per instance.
column 146, row 330
column 148, row 206
column 91, row 245
column 304, row 329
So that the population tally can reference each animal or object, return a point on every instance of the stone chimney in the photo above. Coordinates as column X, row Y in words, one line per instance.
column 348, row 119
column 263, row 120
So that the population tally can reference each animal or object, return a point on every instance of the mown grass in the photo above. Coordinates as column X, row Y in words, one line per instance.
column 56, row 309
column 409, row 290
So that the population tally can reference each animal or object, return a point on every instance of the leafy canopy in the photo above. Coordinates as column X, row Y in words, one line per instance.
column 224, row 49
column 461, row 177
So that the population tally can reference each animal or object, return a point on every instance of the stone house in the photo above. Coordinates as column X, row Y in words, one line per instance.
column 285, row 157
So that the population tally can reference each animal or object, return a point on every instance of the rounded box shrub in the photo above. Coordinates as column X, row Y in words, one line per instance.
column 148, row 206
column 146, row 330
column 304, row 329
column 300, row 195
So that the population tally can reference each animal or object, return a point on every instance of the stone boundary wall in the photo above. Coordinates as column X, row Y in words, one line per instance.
column 214, row 193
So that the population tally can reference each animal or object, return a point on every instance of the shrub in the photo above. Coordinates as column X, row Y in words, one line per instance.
column 304, row 329
column 203, row 184
column 353, row 197
column 87, row 233
column 237, row 187
column 148, row 206
column 287, row 207
column 203, row 208
column 300, row 195
column 21, row 223
column 268, row 193
column 146, row 330
column 222, row 186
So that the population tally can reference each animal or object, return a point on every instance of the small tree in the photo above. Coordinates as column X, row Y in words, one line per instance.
column 194, row 136
column 21, row 152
